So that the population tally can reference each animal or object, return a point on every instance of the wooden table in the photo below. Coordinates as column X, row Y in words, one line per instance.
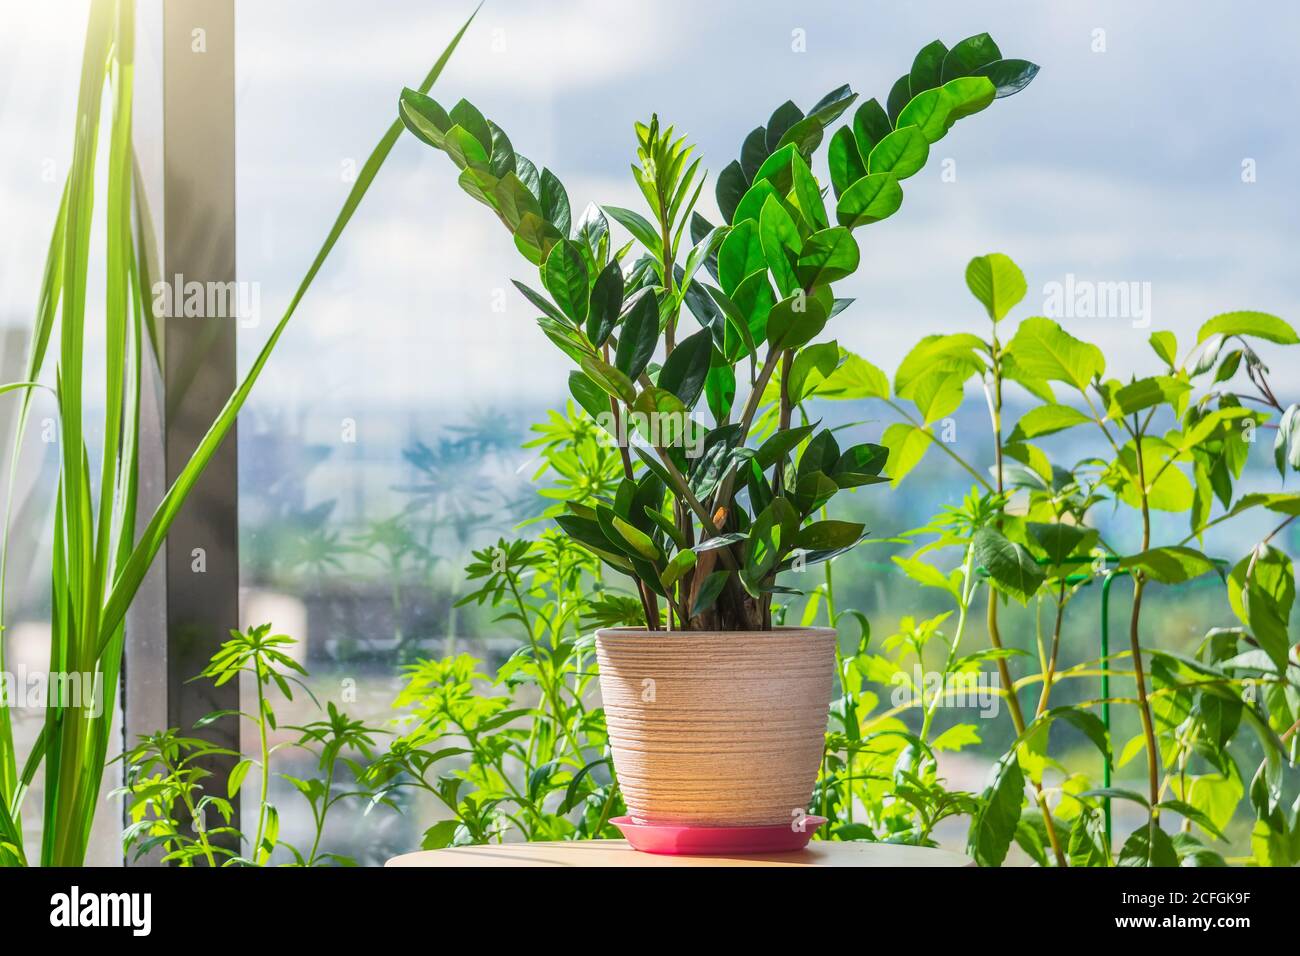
column 619, row 853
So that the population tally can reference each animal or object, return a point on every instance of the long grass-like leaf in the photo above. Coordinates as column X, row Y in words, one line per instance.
column 74, row 553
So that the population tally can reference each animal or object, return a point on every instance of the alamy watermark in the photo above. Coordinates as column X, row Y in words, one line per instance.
column 978, row 690
column 1085, row 299
column 191, row 299
column 655, row 429
column 37, row 690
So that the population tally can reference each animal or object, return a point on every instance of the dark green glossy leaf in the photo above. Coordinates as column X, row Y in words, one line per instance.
column 610, row 379
column 829, row 108
column 606, row 303
column 1148, row 845
column 899, row 95
column 543, row 303
column 730, row 188
column 593, row 399
column 687, row 367
column 927, row 67
column 864, row 459
column 1008, row 76
column 871, row 124
column 720, row 390
column 780, row 445
column 969, row 55
column 784, row 117
column 846, row 165
column 752, row 154
column 467, row 117
column 829, row 535
column 709, row 591
column 638, row 225
column 638, row 334
column 554, row 202
column 422, row 115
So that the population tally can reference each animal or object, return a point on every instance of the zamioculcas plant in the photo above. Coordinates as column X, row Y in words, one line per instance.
column 736, row 514
column 703, row 521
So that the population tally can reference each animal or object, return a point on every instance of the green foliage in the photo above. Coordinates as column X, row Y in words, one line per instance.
column 701, row 520
column 525, row 757
column 166, row 791
column 1177, row 445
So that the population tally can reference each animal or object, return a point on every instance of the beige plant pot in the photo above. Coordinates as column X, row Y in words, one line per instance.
column 714, row 728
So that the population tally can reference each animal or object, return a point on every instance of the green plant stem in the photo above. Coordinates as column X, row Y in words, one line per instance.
column 1049, row 672
column 752, row 401
column 1139, row 585
column 188, row 801
column 547, row 685
column 968, row 591
column 265, row 751
column 320, row 818
column 995, row 637
column 665, row 229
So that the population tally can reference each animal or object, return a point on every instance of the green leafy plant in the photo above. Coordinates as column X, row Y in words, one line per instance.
column 165, row 788
column 532, row 760
column 1177, row 444
column 521, row 753
column 702, row 521
column 99, row 561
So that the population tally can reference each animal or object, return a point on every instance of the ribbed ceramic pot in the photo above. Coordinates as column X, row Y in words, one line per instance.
column 716, row 728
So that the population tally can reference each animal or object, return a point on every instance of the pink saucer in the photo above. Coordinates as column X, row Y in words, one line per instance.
column 671, row 839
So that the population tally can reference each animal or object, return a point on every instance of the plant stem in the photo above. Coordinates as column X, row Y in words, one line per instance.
column 320, row 819
column 1049, row 672
column 995, row 637
column 968, row 590
column 723, row 494
column 648, row 604
column 1144, row 705
column 188, row 800
column 266, row 761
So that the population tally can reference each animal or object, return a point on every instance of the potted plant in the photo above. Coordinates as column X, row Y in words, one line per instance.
column 716, row 717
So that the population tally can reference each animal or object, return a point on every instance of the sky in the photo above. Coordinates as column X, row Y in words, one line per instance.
column 1122, row 162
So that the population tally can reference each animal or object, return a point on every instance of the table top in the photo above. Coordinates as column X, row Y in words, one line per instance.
column 620, row 853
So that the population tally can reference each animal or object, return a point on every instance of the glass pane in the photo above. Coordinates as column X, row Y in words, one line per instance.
column 385, row 442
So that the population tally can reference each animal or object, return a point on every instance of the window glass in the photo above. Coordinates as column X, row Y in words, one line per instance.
column 384, row 442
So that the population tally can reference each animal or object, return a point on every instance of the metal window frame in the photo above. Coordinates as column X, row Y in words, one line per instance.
column 191, row 596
